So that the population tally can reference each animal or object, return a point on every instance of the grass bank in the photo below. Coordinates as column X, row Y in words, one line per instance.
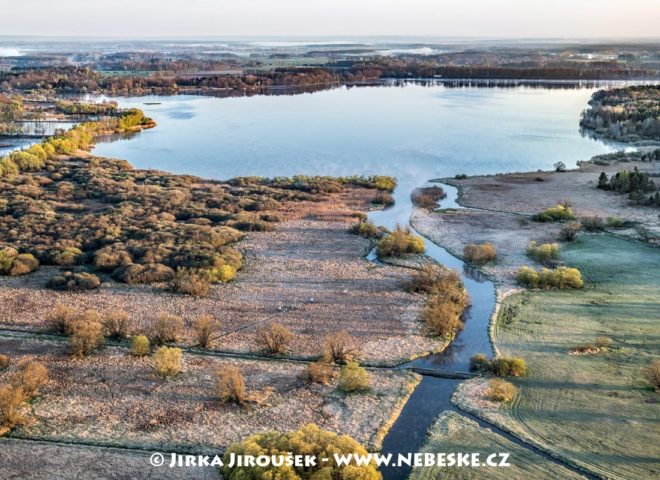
column 594, row 410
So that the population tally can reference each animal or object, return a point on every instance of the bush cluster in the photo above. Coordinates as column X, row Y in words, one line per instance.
column 21, row 386
column 427, row 197
column 479, row 253
column 309, row 440
column 500, row 367
column 560, row 277
column 558, row 213
column 353, row 378
column 14, row 264
column 546, row 253
column 447, row 300
column 74, row 281
column 398, row 243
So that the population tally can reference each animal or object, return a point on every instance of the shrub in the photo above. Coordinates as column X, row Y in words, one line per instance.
column 140, row 346
column 546, row 253
column 67, row 257
column 353, row 378
column 224, row 274
column 560, row 277
column 318, row 372
column 442, row 317
column 309, row 440
column 398, row 243
column 570, row 231
column 479, row 253
column 615, row 222
column 148, row 273
column 428, row 197
column 500, row 367
column 11, row 401
column 558, row 213
column 479, row 363
column 116, row 324
column 383, row 198
column 86, row 334
column 189, row 283
column 652, row 374
column 500, row 390
column 274, row 338
column 425, row 279
column 4, row 361
column 341, row 347
column 74, row 281
column 509, row 367
column 365, row 229
column 166, row 328
column 167, row 361
column 207, row 331
column 230, row 385
column 592, row 224
column 31, row 377
column 60, row 318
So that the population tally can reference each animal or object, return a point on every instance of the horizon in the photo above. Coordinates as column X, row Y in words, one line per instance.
column 474, row 19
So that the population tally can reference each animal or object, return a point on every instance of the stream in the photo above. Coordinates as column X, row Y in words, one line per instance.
column 433, row 395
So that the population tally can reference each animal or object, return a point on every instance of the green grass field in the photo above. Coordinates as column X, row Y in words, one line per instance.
column 594, row 410
column 455, row 433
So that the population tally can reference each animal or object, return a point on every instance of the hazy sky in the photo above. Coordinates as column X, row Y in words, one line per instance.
column 470, row 18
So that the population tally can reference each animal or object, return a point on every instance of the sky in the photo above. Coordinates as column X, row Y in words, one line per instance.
column 309, row 18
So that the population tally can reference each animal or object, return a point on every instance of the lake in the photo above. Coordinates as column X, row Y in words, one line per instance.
column 412, row 132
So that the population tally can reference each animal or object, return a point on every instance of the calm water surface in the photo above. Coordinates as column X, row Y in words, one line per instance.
column 413, row 133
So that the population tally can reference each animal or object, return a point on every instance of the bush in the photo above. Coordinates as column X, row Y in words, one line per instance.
column 560, row 277
column 500, row 367
column 442, row 317
column 230, row 385
column 309, row 440
column 365, row 229
column 592, row 224
column 140, row 346
column 603, row 342
column 479, row 253
column 615, row 222
column 74, row 282
column 427, row 197
column 560, row 167
column 189, row 283
column 148, row 273
column 4, row 361
column 500, row 390
column 479, row 363
column 116, row 324
column 166, row 328
column 383, row 198
column 570, row 231
column 341, row 347
column 652, row 374
column 318, row 372
column 546, row 253
column 398, row 243
column 167, row 361
column 223, row 274
column 558, row 213
column 509, row 367
column 11, row 401
column 274, row 338
column 86, row 334
column 60, row 319
column 31, row 377
column 14, row 264
column 207, row 331
column 447, row 300
column 353, row 378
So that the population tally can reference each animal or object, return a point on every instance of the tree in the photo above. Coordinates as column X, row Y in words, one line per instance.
column 309, row 440
column 603, row 181
column 560, row 167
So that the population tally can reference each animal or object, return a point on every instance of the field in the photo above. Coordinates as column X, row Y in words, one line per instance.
column 593, row 410
column 115, row 399
column 455, row 433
